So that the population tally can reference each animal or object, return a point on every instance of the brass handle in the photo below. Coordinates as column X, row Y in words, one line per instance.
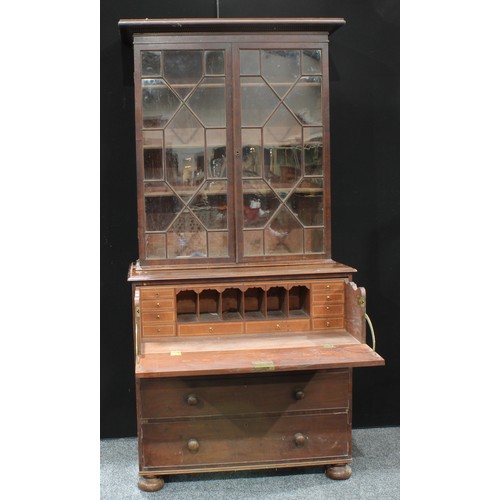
column 158, row 316
column 193, row 445
column 328, row 297
column 157, row 304
column 327, row 308
column 300, row 394
column 300, row 439
column 210, row 329
column 278, row 326
column 192, row 400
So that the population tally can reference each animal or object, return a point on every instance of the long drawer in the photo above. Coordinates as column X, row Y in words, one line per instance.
column 209, row 441
column 260, row 393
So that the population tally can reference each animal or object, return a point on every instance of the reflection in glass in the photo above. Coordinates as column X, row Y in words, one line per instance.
column 306, row 202
column 314, row 240
column 218, row 244
column 283, row 150
column 161, row 209
column 284, row 235
column 153, row 154
column 251, row 156
column 249, row 62
column 158, row 103
column 313, row 150
column 208, row 102
column 259, row 203
column 186, row 237
column 253, row 242
column 210, row 205
column 214, row 62
column 185, row 153
column 156, row 247
column 216, row 153
column 183, row 69
column 305, row 100
column 257, row 101
column 311, row 62
column 281, row 68
column 150, row 63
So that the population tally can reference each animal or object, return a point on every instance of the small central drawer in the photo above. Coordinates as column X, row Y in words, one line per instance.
column 211, row 328
column 297, row 391
column 243, row 440
column 157, row 305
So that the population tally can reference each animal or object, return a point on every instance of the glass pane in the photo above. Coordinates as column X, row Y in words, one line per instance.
column 251, row 157
column 253, row 242
column 150, row 64
column 159, row 103
column 249, row 62
column 284, row 235
column 314, row 240
column 281, row 68
column 216, row 153
column 305, row 100
column 257, row 101
column 185, row 153
column 156, row 246
column 306, row 202
column 259, row 203
column 161, row 209
column 209, row 103
column 153, row 154
column 214, row 62
column 313, row 150
column 210, row 205
column 186, row 238
column 183, row 69
column 311, row 62
column 282, row 151
column 218, row 244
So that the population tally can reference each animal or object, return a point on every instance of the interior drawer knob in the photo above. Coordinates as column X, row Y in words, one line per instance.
column 300, row 439
column 192, row 400
column 299, row 394
column 210, row 329
column 157, row 304
column 193, row 445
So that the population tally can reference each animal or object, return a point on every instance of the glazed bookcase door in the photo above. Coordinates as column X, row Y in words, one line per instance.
column 281, row 130
column 185, row 174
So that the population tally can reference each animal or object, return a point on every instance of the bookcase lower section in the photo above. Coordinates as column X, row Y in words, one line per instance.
column 234, row 422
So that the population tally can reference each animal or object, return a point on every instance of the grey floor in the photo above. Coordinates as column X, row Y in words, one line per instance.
column 375, row 475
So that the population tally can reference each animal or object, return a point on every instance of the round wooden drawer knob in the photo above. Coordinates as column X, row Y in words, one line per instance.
column 300, row 439
column 193, row 445
column 299, row 394
column 192, row 400
column 158, row 316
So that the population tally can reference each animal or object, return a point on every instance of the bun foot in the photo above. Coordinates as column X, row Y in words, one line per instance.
column 150, row 483
column 338, row 471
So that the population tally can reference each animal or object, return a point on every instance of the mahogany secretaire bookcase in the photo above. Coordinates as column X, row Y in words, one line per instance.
column 246, row 331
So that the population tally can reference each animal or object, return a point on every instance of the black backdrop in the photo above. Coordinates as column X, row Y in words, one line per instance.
column 364, row 79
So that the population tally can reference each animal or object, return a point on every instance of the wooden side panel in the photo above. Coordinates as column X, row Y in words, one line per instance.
column 355, row 308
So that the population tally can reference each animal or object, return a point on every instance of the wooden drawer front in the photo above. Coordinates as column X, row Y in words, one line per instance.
column 260, row 393
column 157, row 305
column 277, row 325
column 298, row 325
column 244, row 440
column 157, row 293
column 327, row 323
column 211, row 328
column 158, row 330
column 328, row 286
column 328, row 298
column 333, row 310
column 158, row 316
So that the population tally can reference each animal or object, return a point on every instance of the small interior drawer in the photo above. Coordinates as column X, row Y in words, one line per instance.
column 327, row 323
column 160, row 292
column 158, row 316
column 157, row 304
column 330, row 310
column 158, row 330
column 328, row 286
